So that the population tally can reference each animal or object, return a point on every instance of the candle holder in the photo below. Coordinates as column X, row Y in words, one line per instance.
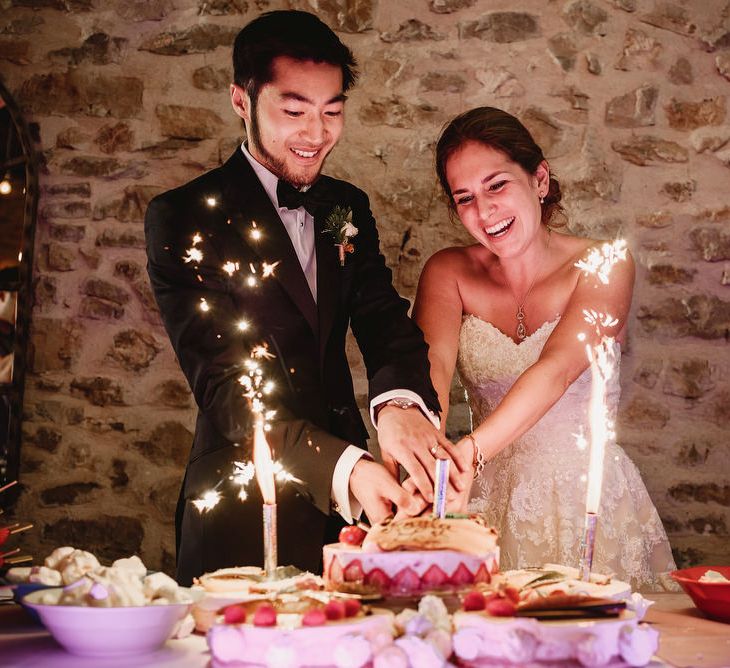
column 271, row 556
column 587, row 545
column 441, row 480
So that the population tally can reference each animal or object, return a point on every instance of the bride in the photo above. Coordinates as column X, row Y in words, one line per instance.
column 507, row 312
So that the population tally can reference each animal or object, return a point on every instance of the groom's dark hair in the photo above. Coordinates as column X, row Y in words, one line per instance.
column 298, row 35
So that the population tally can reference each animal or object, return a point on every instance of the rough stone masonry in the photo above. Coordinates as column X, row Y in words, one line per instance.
column 129, row 97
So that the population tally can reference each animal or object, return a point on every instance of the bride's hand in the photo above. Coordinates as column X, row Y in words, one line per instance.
column 408, row 438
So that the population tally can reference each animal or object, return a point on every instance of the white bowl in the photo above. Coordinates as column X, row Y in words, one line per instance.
column 108, row 632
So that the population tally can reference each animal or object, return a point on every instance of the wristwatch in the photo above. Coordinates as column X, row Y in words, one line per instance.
column 400, row 402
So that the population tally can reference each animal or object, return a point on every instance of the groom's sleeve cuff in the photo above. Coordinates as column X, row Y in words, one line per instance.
column 342, row 500
column 402, row 394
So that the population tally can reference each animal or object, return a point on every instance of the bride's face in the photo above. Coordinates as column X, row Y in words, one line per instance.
column 496, row 200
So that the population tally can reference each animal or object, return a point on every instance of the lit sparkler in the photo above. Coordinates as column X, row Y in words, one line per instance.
column 603, row 360
column 265, row 478
column 255, row 388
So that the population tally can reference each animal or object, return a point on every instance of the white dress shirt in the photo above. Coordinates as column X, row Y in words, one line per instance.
column 299, row 225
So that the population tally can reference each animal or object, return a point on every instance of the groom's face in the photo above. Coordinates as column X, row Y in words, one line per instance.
column 297, row 119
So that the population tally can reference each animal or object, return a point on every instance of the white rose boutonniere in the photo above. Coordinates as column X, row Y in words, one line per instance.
column 339, row 225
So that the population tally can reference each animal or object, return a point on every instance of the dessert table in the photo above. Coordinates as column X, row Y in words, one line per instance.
column 686, row 639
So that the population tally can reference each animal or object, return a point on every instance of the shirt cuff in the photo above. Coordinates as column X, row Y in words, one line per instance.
column 342, row 499
column 403, row 394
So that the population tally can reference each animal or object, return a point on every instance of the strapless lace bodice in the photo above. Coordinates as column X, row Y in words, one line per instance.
column 534, row 490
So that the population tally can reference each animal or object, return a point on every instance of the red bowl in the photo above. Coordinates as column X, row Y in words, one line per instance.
column 713, row 598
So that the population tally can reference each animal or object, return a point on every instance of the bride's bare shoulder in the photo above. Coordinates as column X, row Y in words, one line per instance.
column 456, row 259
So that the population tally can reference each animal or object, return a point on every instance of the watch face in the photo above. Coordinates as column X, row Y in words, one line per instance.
column 403, row 403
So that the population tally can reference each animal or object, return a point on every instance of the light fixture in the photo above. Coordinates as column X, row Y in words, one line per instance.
column 5, row 186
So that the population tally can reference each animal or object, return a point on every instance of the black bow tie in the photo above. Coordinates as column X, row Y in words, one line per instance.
column 291, row 198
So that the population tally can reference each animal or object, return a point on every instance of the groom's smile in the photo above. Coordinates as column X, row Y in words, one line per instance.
column 297, row 118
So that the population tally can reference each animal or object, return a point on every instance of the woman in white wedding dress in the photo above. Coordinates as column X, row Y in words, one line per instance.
column 507, row 313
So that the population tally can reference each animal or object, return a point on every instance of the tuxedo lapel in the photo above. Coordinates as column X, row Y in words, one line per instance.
column 248, row 203
column 328, row 277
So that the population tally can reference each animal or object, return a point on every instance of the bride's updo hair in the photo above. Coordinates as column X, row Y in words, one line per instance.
column 503, row 132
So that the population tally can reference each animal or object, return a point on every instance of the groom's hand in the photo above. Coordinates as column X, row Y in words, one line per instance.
column 378, row 491
column 407, row 437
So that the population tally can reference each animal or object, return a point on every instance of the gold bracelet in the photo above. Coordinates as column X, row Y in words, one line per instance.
column 479, row 461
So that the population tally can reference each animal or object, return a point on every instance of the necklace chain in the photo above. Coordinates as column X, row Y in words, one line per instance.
column 521, row 331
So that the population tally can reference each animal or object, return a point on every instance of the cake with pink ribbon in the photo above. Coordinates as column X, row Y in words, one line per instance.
column 413, row 556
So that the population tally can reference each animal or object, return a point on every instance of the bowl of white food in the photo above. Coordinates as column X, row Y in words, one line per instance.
column 109, row 631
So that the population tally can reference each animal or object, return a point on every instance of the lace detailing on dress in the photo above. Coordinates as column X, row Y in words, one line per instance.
column 534, row 490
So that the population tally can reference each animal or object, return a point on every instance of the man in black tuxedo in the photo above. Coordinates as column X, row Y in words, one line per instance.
column 268, row 203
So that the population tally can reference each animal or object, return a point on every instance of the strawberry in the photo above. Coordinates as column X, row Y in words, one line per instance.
column 334, row 610
column 501, row 607
column 315, row 617
column 483, row 575
column 234, row 614
column 462, row 576
column 406, row 581
column 353, row 572
column 557, row 592
column 474, row 600
column 434, row 577
column 512, row 594
column 352, row 535
column 265, row 615
column 352, row 607
column 378, row 578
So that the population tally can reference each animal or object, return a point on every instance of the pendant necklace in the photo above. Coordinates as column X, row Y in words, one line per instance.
column 521, row 329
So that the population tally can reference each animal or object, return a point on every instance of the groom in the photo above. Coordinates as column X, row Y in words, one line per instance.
column 269, row 204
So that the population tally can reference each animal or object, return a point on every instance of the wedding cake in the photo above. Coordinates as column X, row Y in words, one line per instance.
column 527, row 617
column 413, row 556
column 292, row 630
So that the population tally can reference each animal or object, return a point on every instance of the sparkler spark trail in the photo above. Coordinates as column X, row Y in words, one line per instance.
column 208, row 501
column 193, row 255
column 600, row 260
column 243, row 473
column 230, row 268
column 253, row 381
column 268, row 269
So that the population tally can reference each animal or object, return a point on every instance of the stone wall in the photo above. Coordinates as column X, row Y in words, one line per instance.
column 129, row 97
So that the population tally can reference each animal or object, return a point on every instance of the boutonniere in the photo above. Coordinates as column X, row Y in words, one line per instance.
column 339, row 225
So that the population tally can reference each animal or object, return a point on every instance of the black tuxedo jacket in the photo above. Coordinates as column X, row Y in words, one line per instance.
column 316, row 413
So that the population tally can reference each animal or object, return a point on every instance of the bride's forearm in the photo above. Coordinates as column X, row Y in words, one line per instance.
column 532, row 395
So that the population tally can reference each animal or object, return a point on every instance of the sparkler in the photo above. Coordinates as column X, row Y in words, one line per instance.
column 441, row 479
column 255, row 388
column 603, row 365
column 264, row 466
column 602, row 358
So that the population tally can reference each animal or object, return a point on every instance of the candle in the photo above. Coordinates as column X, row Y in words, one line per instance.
column 264, row 466
column 602, row 359
column 441, row 480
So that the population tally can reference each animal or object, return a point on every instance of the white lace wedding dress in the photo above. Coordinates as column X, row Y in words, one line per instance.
column 534, row 491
